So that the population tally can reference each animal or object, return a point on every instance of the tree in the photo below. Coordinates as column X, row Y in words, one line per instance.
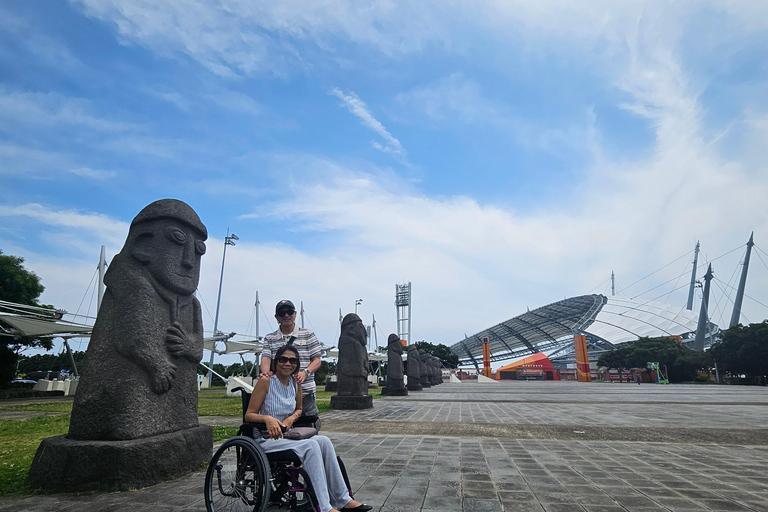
column 22, row 286
column 744, row 350
column 680, row 362
column 50, row 362
column 440, row 351
column 616, row 358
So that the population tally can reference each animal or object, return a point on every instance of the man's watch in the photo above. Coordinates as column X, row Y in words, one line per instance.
column 309, row 373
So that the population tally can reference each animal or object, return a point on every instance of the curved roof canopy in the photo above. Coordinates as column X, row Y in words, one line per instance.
column 605, row 321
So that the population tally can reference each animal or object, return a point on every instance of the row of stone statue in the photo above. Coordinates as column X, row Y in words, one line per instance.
column 424, row 369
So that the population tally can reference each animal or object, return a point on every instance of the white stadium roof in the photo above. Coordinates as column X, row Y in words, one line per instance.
column 605, row 321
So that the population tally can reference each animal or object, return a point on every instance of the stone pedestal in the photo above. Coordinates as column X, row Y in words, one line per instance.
column 351, row 402
column 69, row 465
column 399, row 391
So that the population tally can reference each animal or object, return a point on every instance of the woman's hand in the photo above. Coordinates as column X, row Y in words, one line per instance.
column 273, row 427
column 290, row 420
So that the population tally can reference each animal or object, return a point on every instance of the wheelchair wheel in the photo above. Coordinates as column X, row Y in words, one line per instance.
column 237, row 479
column 293, row 489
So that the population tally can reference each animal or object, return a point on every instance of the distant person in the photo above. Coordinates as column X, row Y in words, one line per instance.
column 306, row 344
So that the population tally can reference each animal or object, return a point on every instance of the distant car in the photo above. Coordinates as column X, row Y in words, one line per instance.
column 23, row 383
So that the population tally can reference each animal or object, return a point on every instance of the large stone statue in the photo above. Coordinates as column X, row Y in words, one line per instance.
column 137, row 397
column 414, row 367
column 426, row 382
column 395, row 384
column 352, row 367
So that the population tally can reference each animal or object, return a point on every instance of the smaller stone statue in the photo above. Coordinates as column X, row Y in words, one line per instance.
column 352, row 367
column 437, row 365
column 395, row 385
column 423, row 371
column 414, row 381
column 430, row 369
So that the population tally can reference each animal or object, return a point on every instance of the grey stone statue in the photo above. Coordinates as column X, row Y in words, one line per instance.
column 352, row 367
column 140, row 382
column 395, row 384
column 430, row 369
column 414, row 381
column 426, row 382
column 438, row 372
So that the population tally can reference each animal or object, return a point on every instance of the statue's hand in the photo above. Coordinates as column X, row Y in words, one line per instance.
column 162, row 379
column 178, row 343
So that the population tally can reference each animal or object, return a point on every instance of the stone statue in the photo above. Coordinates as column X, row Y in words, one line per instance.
column 140, row 382
column 426, row 382
column 414, row 381
column 395, row 385
column 437, row 365
column 141, row 379
column 352, row 368
column 430, row 369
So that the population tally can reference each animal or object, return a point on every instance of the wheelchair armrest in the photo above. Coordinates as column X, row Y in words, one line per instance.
column 306, row 421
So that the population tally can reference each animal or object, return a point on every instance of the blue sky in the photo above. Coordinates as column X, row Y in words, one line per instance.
column 498, row 155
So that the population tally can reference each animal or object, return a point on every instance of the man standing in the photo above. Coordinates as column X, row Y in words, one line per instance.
column 306, row 343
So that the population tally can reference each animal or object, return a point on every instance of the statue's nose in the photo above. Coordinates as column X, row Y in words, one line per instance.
column 188, row 257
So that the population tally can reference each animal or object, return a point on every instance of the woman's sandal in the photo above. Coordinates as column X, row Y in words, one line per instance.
column 360, row 508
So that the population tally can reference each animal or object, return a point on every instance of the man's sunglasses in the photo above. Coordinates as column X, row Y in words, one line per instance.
column 286, row 312
column 293, row 360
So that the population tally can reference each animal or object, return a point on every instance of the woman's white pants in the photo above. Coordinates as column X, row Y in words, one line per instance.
column 318, row 458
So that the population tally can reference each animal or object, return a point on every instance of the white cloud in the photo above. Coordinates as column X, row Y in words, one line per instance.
column 237, row 102
column 98, row 174
column 97, row 225
column 53, row 109
column 359, row 109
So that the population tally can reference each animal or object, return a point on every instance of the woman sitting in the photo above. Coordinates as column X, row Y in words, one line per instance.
column 276, row 401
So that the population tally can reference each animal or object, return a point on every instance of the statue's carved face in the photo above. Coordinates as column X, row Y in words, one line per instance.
column 173, row 256
column 395, row 345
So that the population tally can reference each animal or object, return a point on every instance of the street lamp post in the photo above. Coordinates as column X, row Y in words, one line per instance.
column 357, row 303
column 228, row 240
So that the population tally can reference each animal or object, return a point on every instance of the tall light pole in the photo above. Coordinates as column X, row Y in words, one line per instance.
column 357, row 303
column 228, row 240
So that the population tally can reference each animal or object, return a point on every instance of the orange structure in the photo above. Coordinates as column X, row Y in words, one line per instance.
column 486, row 356
column 535, row 367
column 582, row 359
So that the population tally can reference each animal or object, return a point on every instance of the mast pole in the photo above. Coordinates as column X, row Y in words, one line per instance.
column 102, row 266
column 302, row 313
column 698, row 343
column 256, row 305
column 613, row 284
column 689, row 306
column 228, row 240
column 742, row 283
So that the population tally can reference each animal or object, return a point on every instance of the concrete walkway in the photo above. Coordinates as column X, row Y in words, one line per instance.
column 526, row 446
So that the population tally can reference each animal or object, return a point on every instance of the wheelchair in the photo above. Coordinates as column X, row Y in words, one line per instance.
column 242, row 477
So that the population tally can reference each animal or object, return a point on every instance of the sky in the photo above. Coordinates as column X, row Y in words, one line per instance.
column 498, row 155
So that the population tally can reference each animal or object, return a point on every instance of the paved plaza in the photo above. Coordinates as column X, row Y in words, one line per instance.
column 525, row 446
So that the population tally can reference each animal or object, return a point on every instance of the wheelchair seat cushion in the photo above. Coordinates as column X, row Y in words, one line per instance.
column 284, row 457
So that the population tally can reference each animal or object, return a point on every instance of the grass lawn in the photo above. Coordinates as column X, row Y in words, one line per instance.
column 18, row 443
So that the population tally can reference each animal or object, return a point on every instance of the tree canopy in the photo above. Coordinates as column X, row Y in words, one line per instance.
column 440, row 351
column 744, row 350
column 22, row 286
column 681, row 362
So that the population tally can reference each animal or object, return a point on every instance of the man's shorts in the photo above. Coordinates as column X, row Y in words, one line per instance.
column 308, row 405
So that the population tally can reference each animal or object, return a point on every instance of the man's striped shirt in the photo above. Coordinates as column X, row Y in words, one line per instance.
column 305, row 342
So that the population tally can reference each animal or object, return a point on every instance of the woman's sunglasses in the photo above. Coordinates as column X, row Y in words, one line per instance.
column 293, row 360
